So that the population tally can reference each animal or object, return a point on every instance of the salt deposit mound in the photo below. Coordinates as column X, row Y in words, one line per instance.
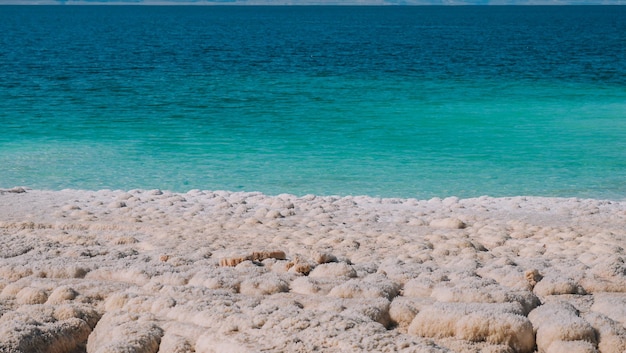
column 151, row 271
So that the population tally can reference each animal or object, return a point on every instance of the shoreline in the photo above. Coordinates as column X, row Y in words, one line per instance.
column 212, row 271
column 23, row 189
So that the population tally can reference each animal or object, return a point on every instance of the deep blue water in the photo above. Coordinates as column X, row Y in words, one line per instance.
column 383, row 101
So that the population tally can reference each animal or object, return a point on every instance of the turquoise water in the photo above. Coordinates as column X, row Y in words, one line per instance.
column 394, row 102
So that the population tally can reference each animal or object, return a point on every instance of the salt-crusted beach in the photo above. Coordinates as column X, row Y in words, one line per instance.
column 152, row 271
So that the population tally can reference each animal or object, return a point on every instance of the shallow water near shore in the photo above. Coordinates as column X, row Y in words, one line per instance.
column 392, row 102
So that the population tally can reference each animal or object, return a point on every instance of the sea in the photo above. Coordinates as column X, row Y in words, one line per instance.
column 398, row 101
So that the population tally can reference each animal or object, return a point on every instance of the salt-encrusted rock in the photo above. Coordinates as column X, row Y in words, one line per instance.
column 124, row 240
column 492, row 236
column 62, row 294
column 68, row 208
column 35, row 328
column 262, row 255
column 372, row 286
column 216, row 343
column 403, row 271
column 555, row 284
column 402, row 310
column 117, row 204
column 419, row 287
column 62, row 270
column 269, row 283
column 478, row 290
column 272, row 214
column 224, row 280
column 135, row 275
column 447, row 223
column 124, row 196
column 376, row 309
column 31, row 295
column 122, row 332
column 607, row 274
column 611, row 334
column 613, row 266
column 314, row 286
column 504, row 271
column 233, row 261
column 571, row 347
column 593, row 284
column 337, row 269
column 14, row 190
column 323, row 257
column 10, row 290
column 492, row 323
column 173, row 343
column 255, row 256
column 612, row 305
column 533, row 277
column 559, row 321
column 304, row 269
column 117, row 300
column 299, row 265
column 80, row 311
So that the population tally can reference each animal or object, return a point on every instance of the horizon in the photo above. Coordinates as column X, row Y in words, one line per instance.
column 316, row 2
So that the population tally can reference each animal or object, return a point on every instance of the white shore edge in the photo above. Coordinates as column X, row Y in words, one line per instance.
column 217, row 271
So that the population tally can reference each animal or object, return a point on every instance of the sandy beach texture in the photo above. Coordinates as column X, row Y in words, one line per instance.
column 152, row 271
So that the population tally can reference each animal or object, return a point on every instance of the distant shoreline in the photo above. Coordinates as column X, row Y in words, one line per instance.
column 25, row 189
column 305, row 3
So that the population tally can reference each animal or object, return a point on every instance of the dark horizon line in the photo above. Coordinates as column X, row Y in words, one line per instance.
column 300, row 5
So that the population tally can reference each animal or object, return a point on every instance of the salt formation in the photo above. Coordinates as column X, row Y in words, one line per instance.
column 153, row 271
column 492, row 323
column 558, row 324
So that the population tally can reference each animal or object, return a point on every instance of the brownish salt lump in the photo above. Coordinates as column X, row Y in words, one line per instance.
column 215, row 271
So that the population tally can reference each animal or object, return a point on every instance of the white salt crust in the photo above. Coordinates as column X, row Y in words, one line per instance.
column 153, row 271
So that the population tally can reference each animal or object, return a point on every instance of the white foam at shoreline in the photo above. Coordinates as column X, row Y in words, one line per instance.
column 193, row 271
